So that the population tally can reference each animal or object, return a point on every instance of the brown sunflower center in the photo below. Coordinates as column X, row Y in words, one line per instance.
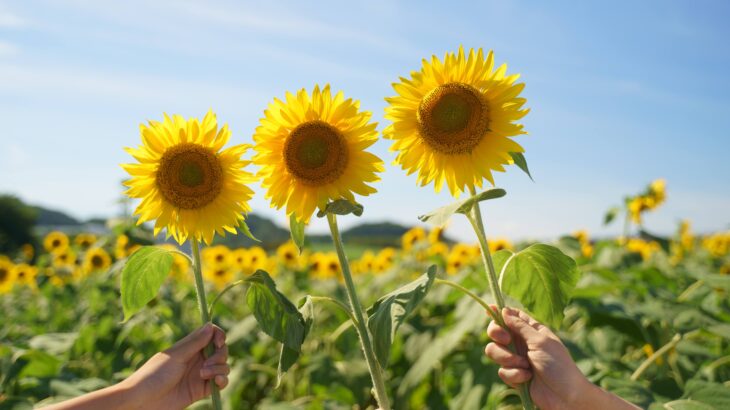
column 3, row 274
column 97, row 261
column 190, row 176
column 315, row 153
column 453, row 118
column 55, row 243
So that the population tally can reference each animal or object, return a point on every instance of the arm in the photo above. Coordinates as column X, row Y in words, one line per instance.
column 557, row 383
column 173, row 379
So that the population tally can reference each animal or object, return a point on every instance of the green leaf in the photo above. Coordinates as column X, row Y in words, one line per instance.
column 389, row 312
column 541, row 277
column 276, row 314
column 297, row 232
column 611, row 215
column 521, row 162
column 440, row 216
column 713, row 394
column 142, row 276
column 341, row 207
column 289, row 356
column 243, row 227
column 687, row 405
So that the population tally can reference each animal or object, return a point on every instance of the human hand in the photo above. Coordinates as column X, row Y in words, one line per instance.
column 181, row 375
column 557, row 383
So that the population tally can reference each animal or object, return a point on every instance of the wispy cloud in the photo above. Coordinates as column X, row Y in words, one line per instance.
column 10, row 20
column 7, row 49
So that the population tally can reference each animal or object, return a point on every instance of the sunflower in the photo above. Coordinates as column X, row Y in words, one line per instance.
column 384, row 260
column 456, row 261
column 96, row 260
column 412, row 237
column 28, row 251
column 436, row 235
column 311, row 149
column 24, row 274
column 256, row 258
column 186, row 183
column 324, row 265
column 452, row 121
column 500, row 243
column 287, row 253
column 85, row 240
column 55, row 242
column 217, row 255
column 64, row 258
column 219, row 275
column 7, row 277
column 438, row 249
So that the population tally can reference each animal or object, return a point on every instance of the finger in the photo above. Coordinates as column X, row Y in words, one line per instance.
column 503, row 357
column 219, row 357
column 193, row 343
column 498, row 333
column 537, row 325
column 513, row 377
column 209, row 372
column 520, row 326
column 219, row 339
column 221, row 381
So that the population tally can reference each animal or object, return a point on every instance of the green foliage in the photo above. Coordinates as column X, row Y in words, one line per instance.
column 341, row 207
column 389, row 312
column 297, row 232
column 440, row 216
column 142, row 276
column 16, row 224
column 541, row 277
column 521, row 162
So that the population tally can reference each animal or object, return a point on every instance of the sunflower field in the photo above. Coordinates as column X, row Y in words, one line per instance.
column 332, row 325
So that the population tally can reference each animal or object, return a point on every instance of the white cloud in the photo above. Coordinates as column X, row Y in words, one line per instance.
column 7, row 49
column 10, row 20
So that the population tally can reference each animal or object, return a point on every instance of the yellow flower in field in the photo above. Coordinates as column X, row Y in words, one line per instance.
column 456, row 261
column 658, row 191
column 452, row 121
column 217, row 255
column 59, row 277
column 585, row 242
column 25, row 274
column 500, row 243
column 85, row 240
column 220, row 276
column 324, row 265
column 256, row 258
column 637, row 206
column 55, row 242
column 64, row 258
column 28, row 251
column 96, row 260
column 640, row 246
column 466, row 251
column 436, row 235
column 7, row 275
column 717, row 244
column 311, row 149
column 180, row 264
column 438, row 249
column 187, row 183
column 366, row 263
column 239, row 258
column 384, row 260
column 412, row 237
column 287, row 254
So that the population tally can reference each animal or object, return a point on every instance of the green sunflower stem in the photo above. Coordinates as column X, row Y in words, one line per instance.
column 475, row 218
column 203, row 307
column 376, row 372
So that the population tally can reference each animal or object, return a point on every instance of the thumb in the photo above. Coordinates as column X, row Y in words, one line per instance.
column 519, row 325
column 193, row 343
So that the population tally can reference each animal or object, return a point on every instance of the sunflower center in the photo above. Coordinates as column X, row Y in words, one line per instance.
column 315, row 153
column 190, row 176
column 55, row 243
column 3, row 274
column 453, row 118
column 97, row 261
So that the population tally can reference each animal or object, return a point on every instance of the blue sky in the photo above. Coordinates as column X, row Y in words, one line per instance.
column 621, row 93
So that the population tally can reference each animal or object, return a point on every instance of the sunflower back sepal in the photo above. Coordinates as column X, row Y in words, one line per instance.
column 143, row 274
column 296, row 228
column 244, row 229
column 521, row 162
column 341, row 207
column 440, row 216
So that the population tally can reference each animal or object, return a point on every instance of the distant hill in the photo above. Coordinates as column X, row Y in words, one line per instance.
column 49, row 217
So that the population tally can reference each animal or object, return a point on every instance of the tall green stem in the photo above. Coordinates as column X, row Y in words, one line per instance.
column 475, row 218
column 203, row 307
column 376, row 373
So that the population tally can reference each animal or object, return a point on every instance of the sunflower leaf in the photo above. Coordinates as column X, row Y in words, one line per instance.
column 142, row 276
column 611, row 215
column 440, row 216
column 277, row 315
column 341, row 207
column 391, row 310
column 520, row 161
column 289, row 356
column 541, row 277
column 243, row 227
column 297, row 232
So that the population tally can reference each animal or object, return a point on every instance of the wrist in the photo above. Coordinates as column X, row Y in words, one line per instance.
column 584, row 395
